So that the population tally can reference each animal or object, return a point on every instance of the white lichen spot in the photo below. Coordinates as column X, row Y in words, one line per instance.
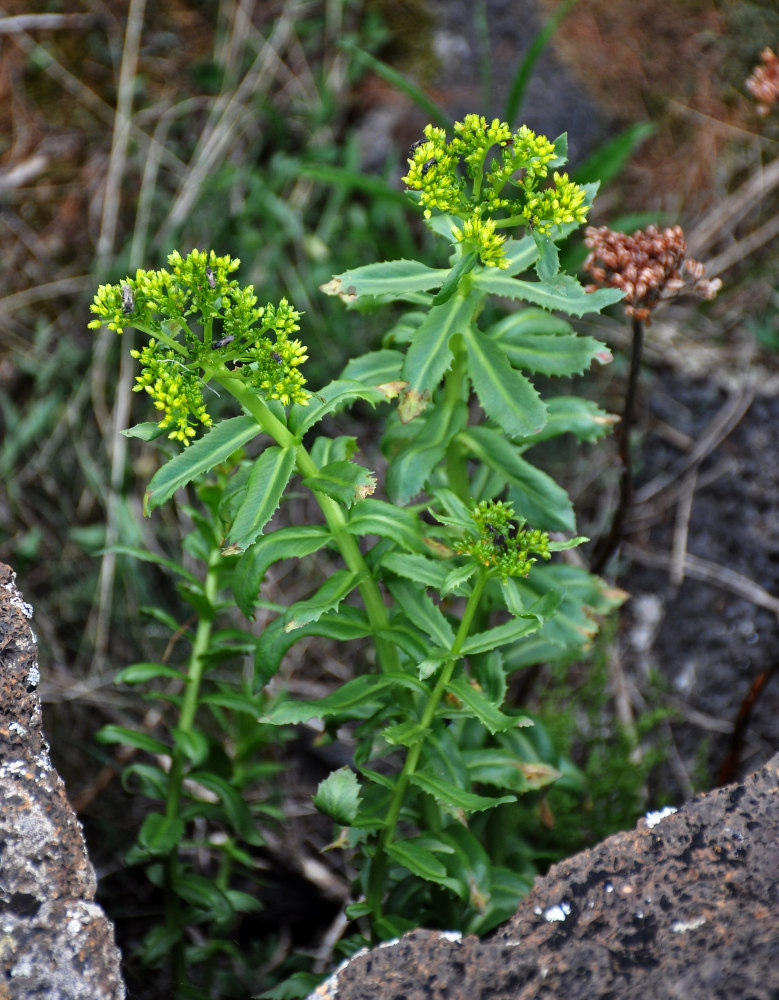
column 23, row 606
column 451, row 935
column 682, row 926
column 653, row 818
column 13, row 767
column 555, row 914
column 33, row 676
column 608, row 887
column 16, row 727
column 42, row 762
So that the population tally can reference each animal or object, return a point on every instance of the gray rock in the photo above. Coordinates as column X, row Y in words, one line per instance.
column 685, row 906
column 55, row 941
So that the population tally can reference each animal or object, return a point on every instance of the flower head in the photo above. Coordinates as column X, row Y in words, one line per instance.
column 489, row 174
column 201, row 323
column 646, row 266
column 174, row 389
column 502, row 541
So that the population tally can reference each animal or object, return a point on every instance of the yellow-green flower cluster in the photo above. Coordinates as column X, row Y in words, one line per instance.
column 433, row 172
column 473, row 137
column 502, row 541
column 202, row 322
column 273, row 367
column 174, row 389
column 480, row 235
column 554, row 206
column 505, row 178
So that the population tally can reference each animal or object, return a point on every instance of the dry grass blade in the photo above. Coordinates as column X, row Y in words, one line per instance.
column 709, row 572
column 213, row 144
column 721, row 219
column 719, row 428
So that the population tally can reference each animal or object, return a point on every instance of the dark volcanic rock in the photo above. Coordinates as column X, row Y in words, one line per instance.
column 685, row 906
column 55, row 941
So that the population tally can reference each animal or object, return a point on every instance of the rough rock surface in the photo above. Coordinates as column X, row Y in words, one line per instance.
column 55, row 941
column 685, row 906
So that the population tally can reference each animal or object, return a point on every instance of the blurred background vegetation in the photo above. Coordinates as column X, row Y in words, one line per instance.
column 276, row 131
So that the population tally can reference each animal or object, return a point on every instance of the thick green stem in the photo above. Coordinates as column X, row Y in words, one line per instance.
column 379, row 862
column 333, row 513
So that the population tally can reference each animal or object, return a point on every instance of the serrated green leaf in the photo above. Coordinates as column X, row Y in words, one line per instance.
column 452, row 797
column 405, row 734
column 377, row 517
column 350, row 700
column 338, row 796
column 336, row 449
column 506, row 396
column 567, row 294
column 335, row 588
column 140, row 673
column 130, row 738
column 392, row 279
column 528, row 321
column 420, row 609
column 268, row 480
column 286, row 543
column 536, row 496
column 430, row 665
column 349, row 623
column 412, row 566
column 345, row 482
column 548, row 263
column 457, row 577
column 410, row 469
column 519, row 255
column 496, row 766
column 577, row 416
column 500, row 635
column 333, row 397
column 201, row 456
column 375, row 368
column 550, row 354
column 479, row 706
column 421, row 862
column 429, row 355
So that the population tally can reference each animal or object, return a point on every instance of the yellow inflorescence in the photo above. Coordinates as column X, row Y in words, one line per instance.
column 505, row 180
column 178, row 307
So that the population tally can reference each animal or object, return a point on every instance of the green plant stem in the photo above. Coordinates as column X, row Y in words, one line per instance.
column 454, row 383
column 379, row 863
column 189, row 705
column 334, row 517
